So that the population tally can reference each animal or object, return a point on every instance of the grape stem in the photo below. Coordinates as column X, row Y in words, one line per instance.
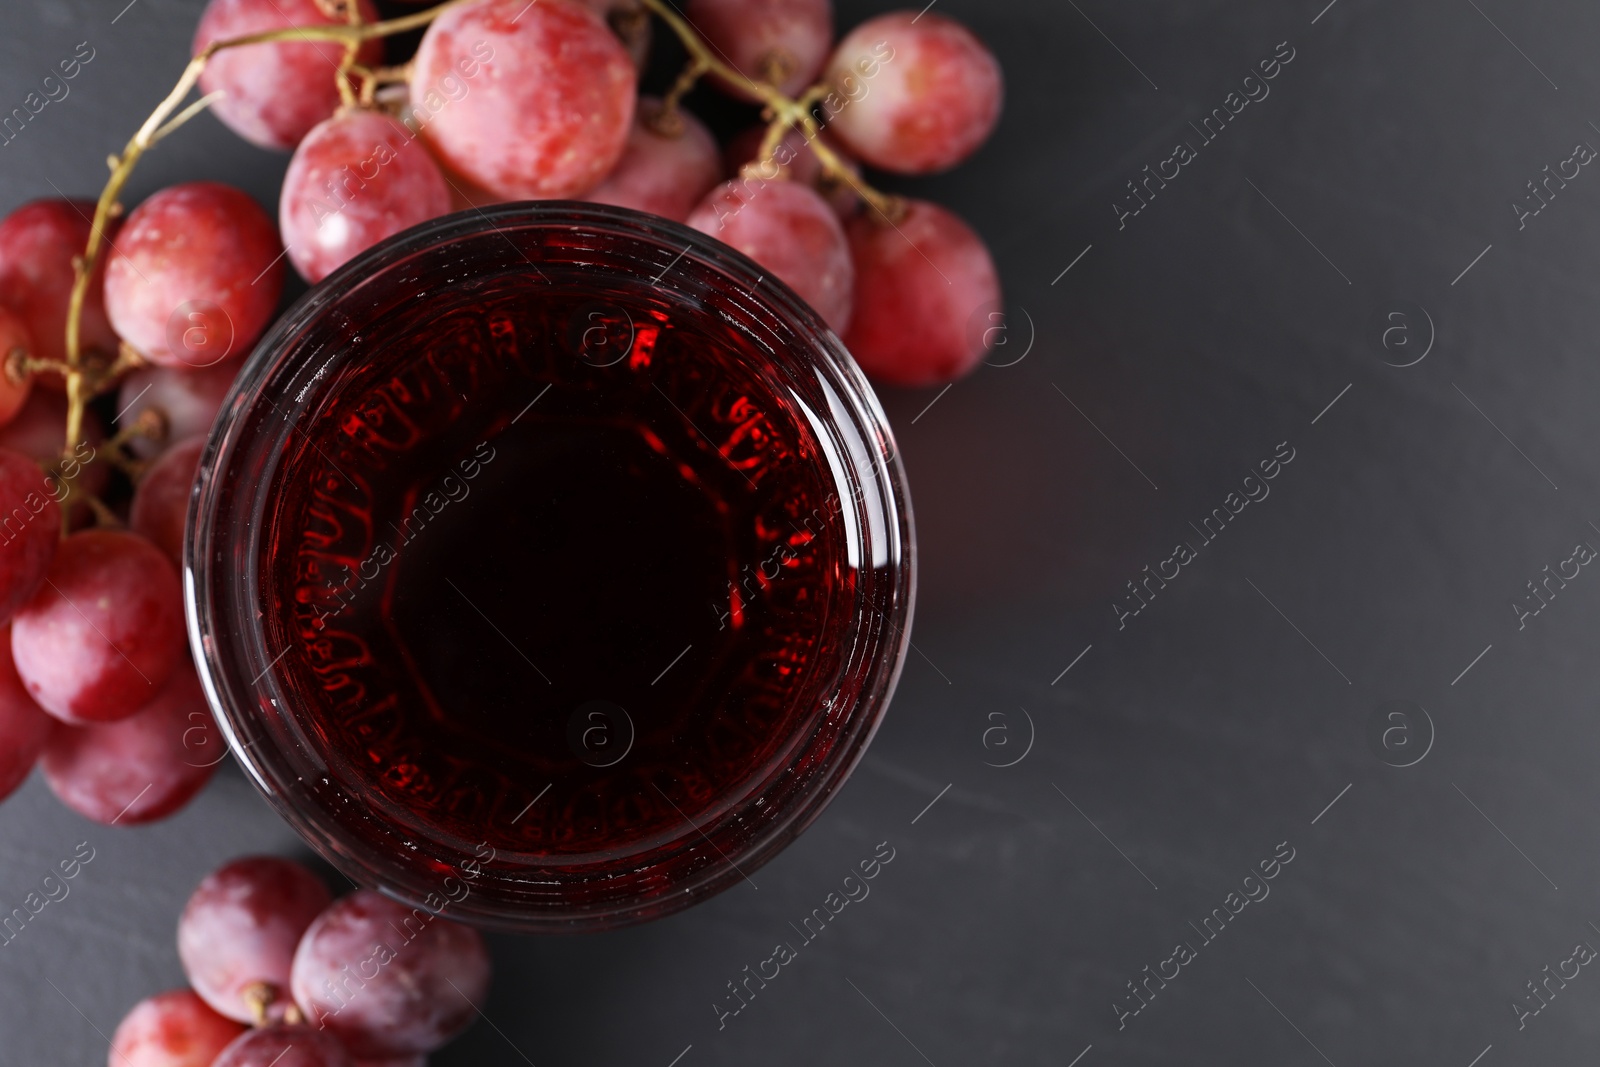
column 87, row 378
column 786, row 113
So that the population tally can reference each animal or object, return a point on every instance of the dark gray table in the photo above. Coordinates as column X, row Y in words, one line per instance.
column 1357, row 217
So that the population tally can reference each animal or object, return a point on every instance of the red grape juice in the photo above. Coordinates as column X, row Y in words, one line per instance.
column 566, row 574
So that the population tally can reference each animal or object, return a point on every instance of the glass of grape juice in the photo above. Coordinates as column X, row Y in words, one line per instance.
column 550, row 567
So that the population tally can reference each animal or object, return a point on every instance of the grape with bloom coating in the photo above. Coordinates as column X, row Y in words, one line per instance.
column 24, row 727
column 525, row 100
column 285, row 1046
column 30, row 530
column 161, row 502
column 189, row 398
column 781, row 42
column 105, row 631
column 789, row 229
column 14, row 388
column 275, row 92
column 173, row 1029
column 140, row 769
column 918, row 285
column 426, row 973
column 915, row 94
column 37, row 243
column 195, row 275
column 241, row 926
column 356, row 178
column 663, row 173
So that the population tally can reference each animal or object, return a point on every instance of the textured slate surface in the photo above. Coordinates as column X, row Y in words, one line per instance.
column 1180, row 750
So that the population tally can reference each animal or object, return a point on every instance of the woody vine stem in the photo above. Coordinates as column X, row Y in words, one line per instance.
column 88, row 375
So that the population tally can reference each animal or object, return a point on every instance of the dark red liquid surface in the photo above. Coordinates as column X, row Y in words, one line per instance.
column 561, row 570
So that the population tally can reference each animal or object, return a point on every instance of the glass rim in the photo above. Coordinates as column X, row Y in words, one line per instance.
column 227, row 641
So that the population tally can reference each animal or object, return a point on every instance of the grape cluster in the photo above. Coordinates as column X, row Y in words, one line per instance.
column 281, row 974
column 502, row 100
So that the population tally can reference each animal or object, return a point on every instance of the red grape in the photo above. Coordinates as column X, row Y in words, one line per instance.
column 140, row 769
column 30, row 530
column 105, row 631
column 241, row 927
column 275, row 92
column 387, row 979
column 356, row 178
column 782, row 42
column 664, row 174
column 918, row 284
column 24, row 727
column 195, row 275
column 173, row 1029
column 789, row 229
column 161, row 502
column 188, row 398
column 798, row 162
column 37, row 243
column 525, row 100
column 285, row 1046
column 913, row 94
column 13, row 390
